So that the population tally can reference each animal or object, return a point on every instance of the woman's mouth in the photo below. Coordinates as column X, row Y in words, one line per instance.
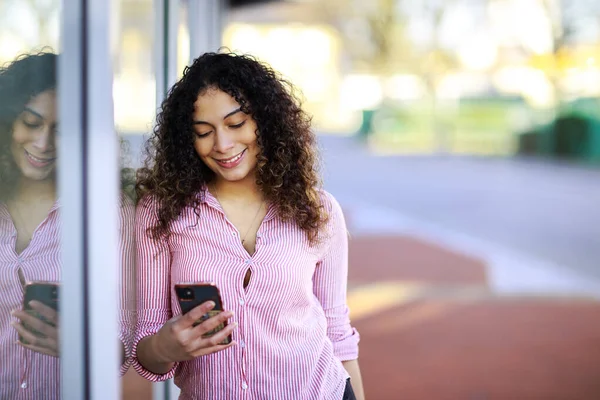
column 38, row 162
column 231, row 162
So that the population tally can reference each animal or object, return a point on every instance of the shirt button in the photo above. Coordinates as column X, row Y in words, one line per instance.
column 233, row 233
column 248, row 261
column 241, row 302
column 242, row 344
column 24, row 385
column 244, row 385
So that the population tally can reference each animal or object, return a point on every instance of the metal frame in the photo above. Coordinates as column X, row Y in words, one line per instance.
column 88, row 188
column 166, row 21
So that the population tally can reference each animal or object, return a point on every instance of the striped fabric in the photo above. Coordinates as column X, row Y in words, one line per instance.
column 25, row 374
column 294, row 329
column 127, row 281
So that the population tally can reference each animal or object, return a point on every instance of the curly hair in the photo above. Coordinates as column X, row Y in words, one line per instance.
column 20, row 81
column 287, row 165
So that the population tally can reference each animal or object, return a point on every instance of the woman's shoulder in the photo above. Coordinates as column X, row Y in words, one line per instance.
column 147, row 206
column 328, row 201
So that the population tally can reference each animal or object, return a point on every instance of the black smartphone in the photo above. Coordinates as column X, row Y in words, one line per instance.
column 44, row 292
column 191, row 295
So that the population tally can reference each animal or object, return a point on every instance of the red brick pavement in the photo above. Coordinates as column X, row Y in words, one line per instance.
column 484, row 348
column 135, row 387
column 379, row 258
column 445, row 348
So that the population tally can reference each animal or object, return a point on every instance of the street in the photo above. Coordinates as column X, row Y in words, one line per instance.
column 544, row 211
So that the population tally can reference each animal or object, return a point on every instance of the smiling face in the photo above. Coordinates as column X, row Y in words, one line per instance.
column 34, row 137
column 225, row 136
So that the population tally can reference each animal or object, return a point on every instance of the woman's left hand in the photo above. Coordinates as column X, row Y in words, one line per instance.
column 38, row 334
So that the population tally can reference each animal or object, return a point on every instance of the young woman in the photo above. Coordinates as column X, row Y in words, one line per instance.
column 29, row 223
column 30, row 230
column 230, row 195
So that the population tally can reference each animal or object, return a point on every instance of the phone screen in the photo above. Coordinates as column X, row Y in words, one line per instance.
column 192, row 295
column 44, row 292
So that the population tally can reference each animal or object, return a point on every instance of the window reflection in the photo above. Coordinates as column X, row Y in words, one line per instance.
column 30, row 267
column 127, row 299
column 29, row 229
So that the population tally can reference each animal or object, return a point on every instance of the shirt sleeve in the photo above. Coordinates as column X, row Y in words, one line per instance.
column 330, row 283
column 127, row 314
column 153, row 259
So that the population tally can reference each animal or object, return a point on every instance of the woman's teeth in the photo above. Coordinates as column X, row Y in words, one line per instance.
column 234, row 159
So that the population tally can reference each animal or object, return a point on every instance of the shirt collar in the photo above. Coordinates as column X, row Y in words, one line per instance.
column 4, row 214
column 206, row 197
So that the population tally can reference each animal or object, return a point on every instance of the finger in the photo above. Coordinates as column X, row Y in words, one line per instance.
column 21, row 314
column 219, row 337
column 213, row 349
column 36, row 324
column 196, row 313
column 27, row 317
column 27, row 335
column 39, row 349
column 47, row 312
column 215, row 339
column 212, row 323
column 34, row 340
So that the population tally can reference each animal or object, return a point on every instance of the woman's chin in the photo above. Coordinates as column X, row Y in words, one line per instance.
column 237, row 174
column 37, row 174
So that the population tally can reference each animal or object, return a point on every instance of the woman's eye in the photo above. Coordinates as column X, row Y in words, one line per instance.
column 201, row 135
column 237, row 125
column 31, row 125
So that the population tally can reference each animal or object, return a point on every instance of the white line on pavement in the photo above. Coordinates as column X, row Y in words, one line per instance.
column 509, row 271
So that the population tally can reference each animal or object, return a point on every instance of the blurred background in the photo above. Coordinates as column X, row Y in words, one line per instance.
column 462, row 138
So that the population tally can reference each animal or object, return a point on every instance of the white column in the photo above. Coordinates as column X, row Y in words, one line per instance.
column 205, row 22
column 70, row 190
column 88, row 190
column 102, row 174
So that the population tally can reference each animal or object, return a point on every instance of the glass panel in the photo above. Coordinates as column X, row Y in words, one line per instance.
column 30, row 268
column 183, row 39
column 134, row 82
column 134, row 94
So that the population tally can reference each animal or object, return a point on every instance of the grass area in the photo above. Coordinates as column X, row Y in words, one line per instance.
column 485, row 127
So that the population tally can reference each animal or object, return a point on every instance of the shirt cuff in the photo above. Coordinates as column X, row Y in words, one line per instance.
column 126, row 329
column 143, row 372
column 346, row 349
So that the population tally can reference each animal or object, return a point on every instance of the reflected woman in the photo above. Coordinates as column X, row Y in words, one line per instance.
column 29, row 225
column 30, row 230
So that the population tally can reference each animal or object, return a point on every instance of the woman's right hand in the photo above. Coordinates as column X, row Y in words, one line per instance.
column 179, row 340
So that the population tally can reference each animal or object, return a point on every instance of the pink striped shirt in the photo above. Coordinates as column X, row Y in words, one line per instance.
column 293, row 322
column 25, row 374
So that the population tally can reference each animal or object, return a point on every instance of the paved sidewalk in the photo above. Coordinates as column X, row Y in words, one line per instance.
column 439, row 332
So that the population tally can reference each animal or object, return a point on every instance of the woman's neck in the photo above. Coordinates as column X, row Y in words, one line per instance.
column 246, row 190
column 28, row 190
